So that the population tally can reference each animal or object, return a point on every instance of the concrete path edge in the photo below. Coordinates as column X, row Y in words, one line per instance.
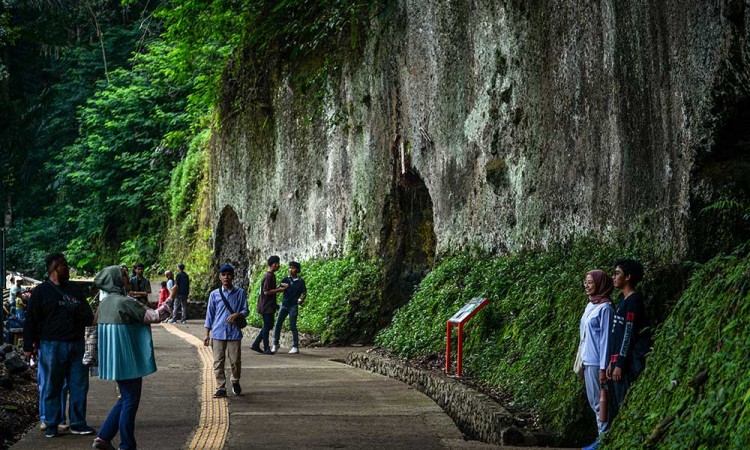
column 476, row 415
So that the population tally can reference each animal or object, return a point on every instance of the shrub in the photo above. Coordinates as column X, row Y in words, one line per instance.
column 344, row 296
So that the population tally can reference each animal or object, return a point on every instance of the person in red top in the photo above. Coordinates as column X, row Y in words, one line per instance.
column 163, row 294
column 267, row 305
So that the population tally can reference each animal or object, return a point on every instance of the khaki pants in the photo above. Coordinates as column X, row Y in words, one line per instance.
column 222, row 350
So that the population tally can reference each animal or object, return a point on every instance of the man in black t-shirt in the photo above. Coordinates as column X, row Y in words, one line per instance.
column 629, row 339
column 54, row 330
column 294, row 296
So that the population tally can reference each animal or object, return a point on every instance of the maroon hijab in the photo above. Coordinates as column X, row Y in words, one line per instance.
column 603, row 286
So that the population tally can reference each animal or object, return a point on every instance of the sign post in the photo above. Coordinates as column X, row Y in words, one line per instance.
column 463, row 315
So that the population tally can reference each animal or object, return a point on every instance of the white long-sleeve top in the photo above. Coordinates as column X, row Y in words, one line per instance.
column 596, row 321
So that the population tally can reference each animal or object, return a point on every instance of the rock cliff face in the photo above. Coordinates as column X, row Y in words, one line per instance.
column 491, row 124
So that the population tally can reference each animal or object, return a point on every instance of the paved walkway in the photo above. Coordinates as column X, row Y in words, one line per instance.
column 304, row 401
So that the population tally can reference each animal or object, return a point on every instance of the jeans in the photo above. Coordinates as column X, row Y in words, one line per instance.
column 59, row 365
column 63, row 402
column 290, row 311
column 122, row 416
column 265, row 332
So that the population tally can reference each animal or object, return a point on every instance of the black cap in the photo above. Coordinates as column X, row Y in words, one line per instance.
column 295, row 264
column 226, row 268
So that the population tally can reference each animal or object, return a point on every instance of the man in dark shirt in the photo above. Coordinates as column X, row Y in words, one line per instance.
column 57, row 317
column 267, row 304
column 183, row 290
column 140, row 285
column 629, row 339
column 294, row 295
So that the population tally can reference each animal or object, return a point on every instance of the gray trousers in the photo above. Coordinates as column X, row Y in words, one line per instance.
column 591, row 376
column 180, row 305
column 222, row 351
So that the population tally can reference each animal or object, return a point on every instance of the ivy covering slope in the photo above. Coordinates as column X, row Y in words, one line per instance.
column 695, row 391
column 525, row 340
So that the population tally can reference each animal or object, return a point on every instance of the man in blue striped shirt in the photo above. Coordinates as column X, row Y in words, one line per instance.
column 225, row 305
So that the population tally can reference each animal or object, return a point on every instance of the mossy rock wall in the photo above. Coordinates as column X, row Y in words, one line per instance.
column 526, row 122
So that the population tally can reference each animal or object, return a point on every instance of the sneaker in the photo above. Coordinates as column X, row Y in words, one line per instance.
column 183, row 321
column 255, row 348
column 101, row 444
column 236, row 388
column 51, row 432
column 82, row 430
column 63, row 428
column 43, row 426
column 294, row 351
column 220, row 393
column 274, row 348
column 267, row 352
column 171, row 321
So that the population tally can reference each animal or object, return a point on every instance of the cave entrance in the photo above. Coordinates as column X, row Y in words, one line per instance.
column 408, row 241
column 231, row 247
column 721, row 190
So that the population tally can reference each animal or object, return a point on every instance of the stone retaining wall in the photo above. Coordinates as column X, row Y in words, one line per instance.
column 475, row 414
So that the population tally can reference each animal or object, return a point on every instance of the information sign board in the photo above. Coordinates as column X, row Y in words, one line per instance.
column 467, row 309
column 463, row 315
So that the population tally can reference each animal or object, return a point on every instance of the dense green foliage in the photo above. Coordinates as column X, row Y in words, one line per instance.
column 109, row 104
column 97, row 127
column 64, row 53
column 524, row 341
column 344, row 298
column 672, row 405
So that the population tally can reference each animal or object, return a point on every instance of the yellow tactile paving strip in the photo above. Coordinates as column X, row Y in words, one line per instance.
column 213, row 424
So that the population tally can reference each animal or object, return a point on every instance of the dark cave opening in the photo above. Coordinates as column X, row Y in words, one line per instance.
column 409, row 241
column 231, row 247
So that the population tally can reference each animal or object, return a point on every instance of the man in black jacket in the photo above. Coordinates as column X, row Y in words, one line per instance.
column 630, row 339
column 54, row 330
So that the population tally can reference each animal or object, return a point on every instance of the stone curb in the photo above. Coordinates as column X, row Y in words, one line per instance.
column 476, row 415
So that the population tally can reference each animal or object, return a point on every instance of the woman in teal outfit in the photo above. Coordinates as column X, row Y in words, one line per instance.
column 126, row 352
